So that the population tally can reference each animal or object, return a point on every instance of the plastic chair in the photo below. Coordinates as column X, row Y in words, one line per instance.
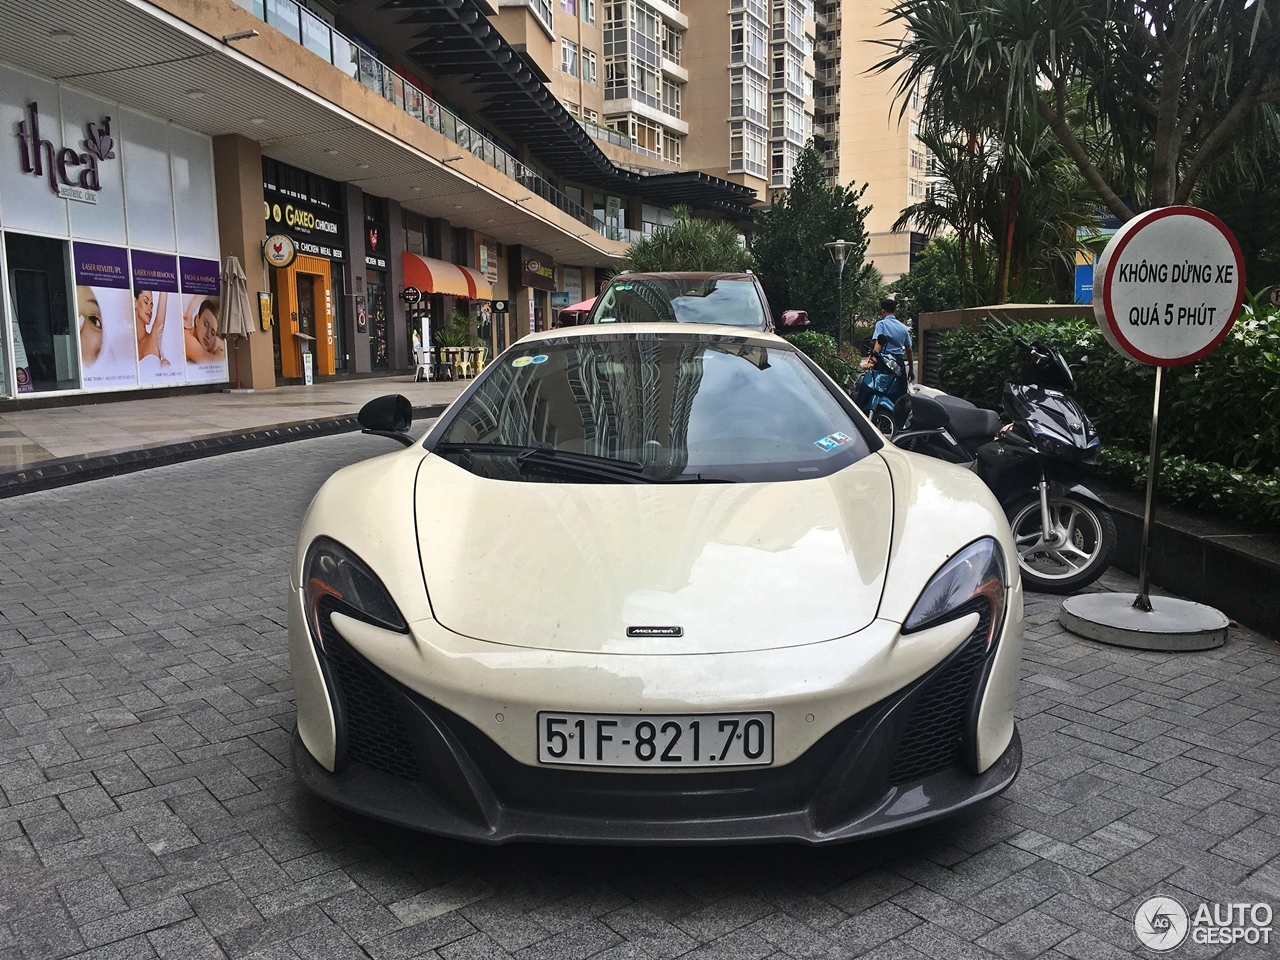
column 422, row 364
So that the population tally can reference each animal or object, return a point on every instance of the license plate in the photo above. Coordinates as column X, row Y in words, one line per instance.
column 663, row 740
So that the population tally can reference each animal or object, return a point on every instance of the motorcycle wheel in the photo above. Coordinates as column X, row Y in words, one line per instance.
column 883, row 422
column 1085, row 537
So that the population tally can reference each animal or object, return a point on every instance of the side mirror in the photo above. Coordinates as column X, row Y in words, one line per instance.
column 1081, row 363
column 793, row 321
column 388, row 416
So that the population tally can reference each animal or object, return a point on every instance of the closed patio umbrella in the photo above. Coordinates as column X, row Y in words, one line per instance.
column 237, row 313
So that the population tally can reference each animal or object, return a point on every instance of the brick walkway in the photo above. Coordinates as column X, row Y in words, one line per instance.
column 146, row 805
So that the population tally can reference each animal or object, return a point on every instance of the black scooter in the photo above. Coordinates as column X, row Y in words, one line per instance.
column 1064, row 532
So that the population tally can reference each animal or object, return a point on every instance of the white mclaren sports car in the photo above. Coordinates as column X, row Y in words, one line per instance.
column 653, row 583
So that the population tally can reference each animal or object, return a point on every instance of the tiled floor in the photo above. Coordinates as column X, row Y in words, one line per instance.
column 148, row 808
column 31, row 436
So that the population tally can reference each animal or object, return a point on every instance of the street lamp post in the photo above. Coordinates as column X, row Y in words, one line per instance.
column 839, row 250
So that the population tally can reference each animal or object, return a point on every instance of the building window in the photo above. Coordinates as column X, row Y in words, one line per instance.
column 746, row 94
column 616, row 86
column 542, row 9
column 672, row 41
column 589, row 11
column 915, row 188
column 646, row 135
column 747, row 148
column 916, row 159
column 671, row 149
column 569, row 58
column 670, row 98
column 591, row 115
column 569, row 6
column 573, row 108
column 589, row 66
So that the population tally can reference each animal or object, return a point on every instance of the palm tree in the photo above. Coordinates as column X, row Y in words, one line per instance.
column 1168, row 88
column 689, row 243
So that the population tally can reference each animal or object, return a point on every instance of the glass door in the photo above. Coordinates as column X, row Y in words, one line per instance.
column 376, row 297
column 44, row 341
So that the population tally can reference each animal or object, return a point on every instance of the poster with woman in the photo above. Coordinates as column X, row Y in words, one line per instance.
column 205, row 351
column 104, row 317
column 157, row 318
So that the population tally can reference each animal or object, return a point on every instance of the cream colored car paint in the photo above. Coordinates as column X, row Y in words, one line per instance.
column 762, row 555
column 830, row 681
column 938, row 509
column 738, row 566
column 995, row 714
column 316, row 724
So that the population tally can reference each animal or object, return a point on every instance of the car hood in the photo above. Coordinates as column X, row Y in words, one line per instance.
column 736, row 567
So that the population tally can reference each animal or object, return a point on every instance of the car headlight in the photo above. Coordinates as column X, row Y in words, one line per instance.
column 333, row 572
column 970, row 581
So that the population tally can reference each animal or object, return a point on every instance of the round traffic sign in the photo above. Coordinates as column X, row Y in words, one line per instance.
column 1172, row 282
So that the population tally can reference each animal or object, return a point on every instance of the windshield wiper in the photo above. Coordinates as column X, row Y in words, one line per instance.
column 547, row 459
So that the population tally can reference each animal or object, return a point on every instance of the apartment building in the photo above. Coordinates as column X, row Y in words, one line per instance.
column 860, row 131
column 407, row 160
column 750, row 91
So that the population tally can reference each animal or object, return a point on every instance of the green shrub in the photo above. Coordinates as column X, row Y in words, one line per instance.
column 821, row 349
column 1225, row 409
column 1200, row 486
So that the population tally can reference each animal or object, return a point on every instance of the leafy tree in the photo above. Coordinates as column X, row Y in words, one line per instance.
column 938, row 278
column 689, row 243
column 794, row 267
column 1169, row 91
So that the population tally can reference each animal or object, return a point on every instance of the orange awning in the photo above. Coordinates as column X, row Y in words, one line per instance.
column 438, row 276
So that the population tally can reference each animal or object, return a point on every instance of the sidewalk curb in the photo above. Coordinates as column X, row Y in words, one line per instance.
column 1215, row 562
column 65, row 471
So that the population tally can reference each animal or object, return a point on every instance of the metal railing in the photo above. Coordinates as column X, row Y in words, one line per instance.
column 304, row 27
column 607, row 134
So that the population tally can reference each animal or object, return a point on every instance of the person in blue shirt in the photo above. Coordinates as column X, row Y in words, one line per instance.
column 890, row 352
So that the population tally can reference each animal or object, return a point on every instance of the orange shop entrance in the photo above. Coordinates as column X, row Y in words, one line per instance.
column 304, row 316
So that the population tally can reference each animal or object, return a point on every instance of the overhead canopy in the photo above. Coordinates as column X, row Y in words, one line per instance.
column 438, row 276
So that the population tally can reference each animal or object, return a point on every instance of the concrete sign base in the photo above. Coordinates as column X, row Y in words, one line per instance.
column 1172, row 624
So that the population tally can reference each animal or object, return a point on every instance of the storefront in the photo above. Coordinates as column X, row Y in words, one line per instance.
column 109, row 238
column 533, row 280
column 377, row 243
column 307, row 288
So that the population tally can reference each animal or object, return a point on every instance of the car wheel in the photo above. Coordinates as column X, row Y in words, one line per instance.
column 1083, row 537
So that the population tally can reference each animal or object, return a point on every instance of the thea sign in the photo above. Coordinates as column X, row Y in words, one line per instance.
column 1169, row 286
column 72, row 175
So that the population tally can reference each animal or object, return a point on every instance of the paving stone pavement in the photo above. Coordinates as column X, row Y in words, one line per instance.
column 147, row 808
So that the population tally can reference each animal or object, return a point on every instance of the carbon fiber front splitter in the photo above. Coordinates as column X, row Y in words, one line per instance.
column 428, row 808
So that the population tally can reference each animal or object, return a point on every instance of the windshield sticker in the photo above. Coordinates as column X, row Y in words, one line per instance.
column 832, row 441
column 540, row 358
column 522, row 361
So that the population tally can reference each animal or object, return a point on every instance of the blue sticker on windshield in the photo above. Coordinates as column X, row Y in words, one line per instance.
column 832, row 441
column 540, row 358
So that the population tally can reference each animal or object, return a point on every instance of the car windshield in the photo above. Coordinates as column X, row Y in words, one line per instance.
column 681, row 300
column 655, row 408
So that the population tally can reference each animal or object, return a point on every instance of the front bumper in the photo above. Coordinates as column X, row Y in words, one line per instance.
column 900, row 762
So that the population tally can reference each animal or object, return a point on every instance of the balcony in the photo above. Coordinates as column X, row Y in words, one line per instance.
column 303, row 27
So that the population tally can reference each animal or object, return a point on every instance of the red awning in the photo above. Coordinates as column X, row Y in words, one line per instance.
column 438, row 276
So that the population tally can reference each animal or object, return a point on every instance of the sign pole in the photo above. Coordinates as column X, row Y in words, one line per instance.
column 1143, row 600
column 1168, row 288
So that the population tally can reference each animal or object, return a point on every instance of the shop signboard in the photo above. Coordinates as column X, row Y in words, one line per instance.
column 316, row 231
column 560, row 299
column 157, row 318
column 104, row 319
column 206, row 352
column 537, row 270
column 279, row 250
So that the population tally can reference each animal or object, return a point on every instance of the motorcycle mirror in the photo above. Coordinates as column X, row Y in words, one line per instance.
column 1081, row 363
